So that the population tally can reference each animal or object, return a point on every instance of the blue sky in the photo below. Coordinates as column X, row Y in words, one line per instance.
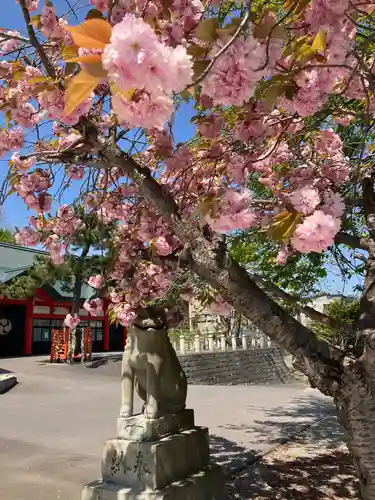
column 15, row 212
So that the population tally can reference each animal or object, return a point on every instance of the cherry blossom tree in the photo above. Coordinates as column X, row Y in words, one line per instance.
column 90, row 98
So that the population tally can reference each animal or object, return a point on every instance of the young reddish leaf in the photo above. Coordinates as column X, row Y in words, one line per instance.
column 199, row 67
column 96, row 70
column 271, row 95
column 229, row 29
column 91, row 34
column 196, row 50
column 80, row 88
column 206, row 30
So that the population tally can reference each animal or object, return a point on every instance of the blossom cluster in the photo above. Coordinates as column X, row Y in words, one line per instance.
column 146, row 72
column 252, row 103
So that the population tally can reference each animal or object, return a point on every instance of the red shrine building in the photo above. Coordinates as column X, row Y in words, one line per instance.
column 26, row 325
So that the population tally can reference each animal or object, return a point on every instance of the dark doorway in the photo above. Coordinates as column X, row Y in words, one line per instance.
column 116, row 337
column 42, row 334
column 12, row 330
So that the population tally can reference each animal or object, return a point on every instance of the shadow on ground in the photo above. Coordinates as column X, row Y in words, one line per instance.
column 325, row 476
column 104, row 360
column 313, row 463
column 288, row 422
column 4, row 372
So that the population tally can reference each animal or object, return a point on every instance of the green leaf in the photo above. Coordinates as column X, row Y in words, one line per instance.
column 319, row 43
column 283, row 225
column 35, row 21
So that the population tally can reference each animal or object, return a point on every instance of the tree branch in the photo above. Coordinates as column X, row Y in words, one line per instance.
column 231, row 280
column 243, row 24
column 351, row 241
column 35, row 42
column 312, row 313
column 6, row 36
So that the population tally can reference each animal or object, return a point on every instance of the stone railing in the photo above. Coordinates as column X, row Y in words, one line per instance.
column 189, row 343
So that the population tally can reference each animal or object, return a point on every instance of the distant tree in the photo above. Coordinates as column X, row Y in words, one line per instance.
column 345, row 311
column 82, row 261
column 6, row 236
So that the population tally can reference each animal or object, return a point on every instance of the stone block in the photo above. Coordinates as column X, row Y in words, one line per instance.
column 154, row 465
column 207, row 484
column 139, row 428
column 7, row 381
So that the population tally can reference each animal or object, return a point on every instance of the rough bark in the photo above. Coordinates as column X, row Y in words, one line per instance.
column 355, row 403
column 276, row 292
column 355, row 399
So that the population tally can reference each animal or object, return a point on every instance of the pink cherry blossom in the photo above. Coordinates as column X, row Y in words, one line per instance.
column 210, row 126
column 234, row 75
column 162, row 246
column 125, row 314
column 94, row 307
column 27, row 236
column 25, row 115
column 65, row 212
column 333, row 204
column 142, row 110
column 282, row 256
column 22, row 164
column 101, row 5
column 232, row 212
column 72, row 321
column 136, row 59
column 11, row 139
column 344, row 120
column 115, row 297
column 31, row 4
column 205, row 101
column 52, row 27
column 76, row 172
column 118, row 14
column 10, row 44
column 305, row 199
column 316, row 233
column 96, row 281
column 220, row 307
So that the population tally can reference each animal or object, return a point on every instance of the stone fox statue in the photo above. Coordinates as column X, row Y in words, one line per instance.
column 150, row 364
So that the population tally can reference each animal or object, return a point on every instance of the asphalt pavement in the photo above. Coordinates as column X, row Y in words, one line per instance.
column 55, row 421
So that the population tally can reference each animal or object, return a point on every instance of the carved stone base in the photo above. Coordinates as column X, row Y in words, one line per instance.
column 161, row 461
column 154, row 465
column 139, row 428
column 207, row 484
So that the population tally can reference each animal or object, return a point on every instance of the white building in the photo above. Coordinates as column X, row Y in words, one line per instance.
column 319, row 303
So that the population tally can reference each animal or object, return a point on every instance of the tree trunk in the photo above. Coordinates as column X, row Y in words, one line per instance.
column 77, row 301
column 355, row 403
column 351, row 381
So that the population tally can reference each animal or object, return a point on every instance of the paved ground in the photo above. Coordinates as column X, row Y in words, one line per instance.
column 54, row 424
column 315, row 465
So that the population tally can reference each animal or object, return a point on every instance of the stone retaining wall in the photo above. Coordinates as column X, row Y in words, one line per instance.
column 251, row 366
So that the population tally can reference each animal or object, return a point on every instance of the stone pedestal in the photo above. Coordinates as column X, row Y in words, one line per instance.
column 162, row 459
